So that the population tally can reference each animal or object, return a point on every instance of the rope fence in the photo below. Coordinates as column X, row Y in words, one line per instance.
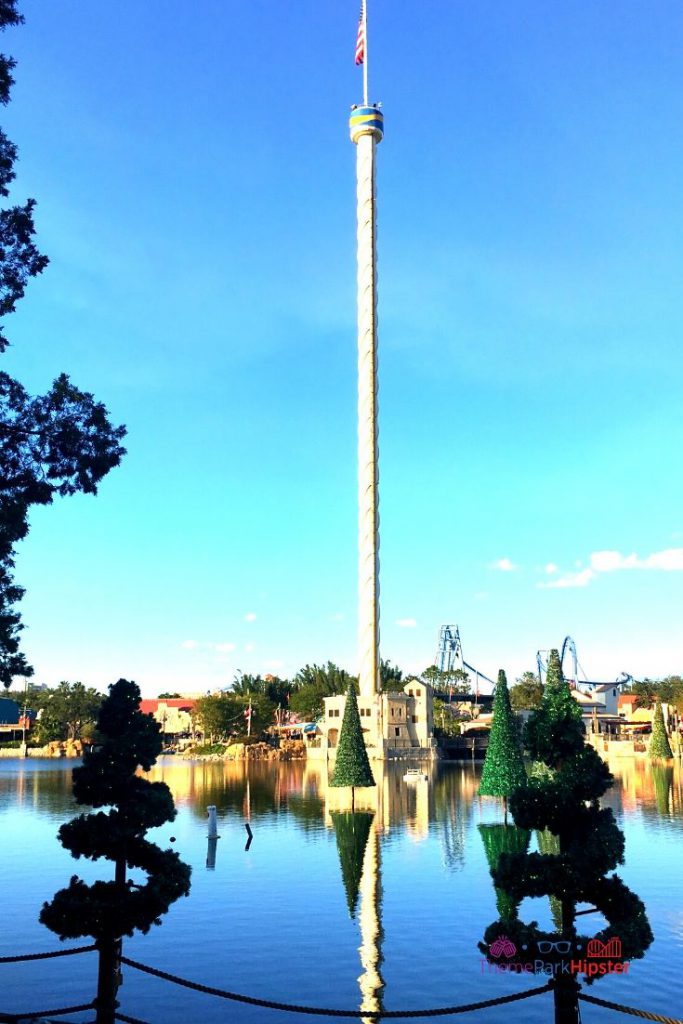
column 46, row 956
column 643, row 1014
column 317, row 1011
column 11, row 1018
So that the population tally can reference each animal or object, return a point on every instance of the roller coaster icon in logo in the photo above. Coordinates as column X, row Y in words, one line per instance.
column 610, row 950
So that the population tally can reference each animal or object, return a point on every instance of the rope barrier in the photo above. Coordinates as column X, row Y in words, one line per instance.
column 317, row 1011
column 644, row 1014
column 46, row 956
column 11, row 1018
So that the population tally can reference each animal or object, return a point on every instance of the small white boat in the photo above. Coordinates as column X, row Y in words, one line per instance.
column 415, row 775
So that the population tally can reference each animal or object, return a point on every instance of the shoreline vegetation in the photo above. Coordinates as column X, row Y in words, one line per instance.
column 288, row 750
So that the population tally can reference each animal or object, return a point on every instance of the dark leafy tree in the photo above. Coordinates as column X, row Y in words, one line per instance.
column 504, row 770
column 527, row 693
column 352, row 766
column 390, row 676
column 564, row 799
column 313, row 683
column 73, row 706
column 660, row 748
column 51, row 445
column 351, row 830
column 109, row 778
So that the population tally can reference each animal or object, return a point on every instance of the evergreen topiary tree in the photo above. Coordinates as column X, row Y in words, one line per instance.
column 351, row 832
column 564, row 799
column 108, row 778
column 504, row 767
column 660, row 748
column 352, row 767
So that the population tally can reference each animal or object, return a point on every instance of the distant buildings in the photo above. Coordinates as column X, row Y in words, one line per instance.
column 174, row 714
column 394, row 723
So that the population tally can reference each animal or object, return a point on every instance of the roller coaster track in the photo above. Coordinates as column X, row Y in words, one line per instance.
column 623, row 679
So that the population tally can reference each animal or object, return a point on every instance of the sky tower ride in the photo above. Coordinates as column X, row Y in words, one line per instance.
column 367, row 128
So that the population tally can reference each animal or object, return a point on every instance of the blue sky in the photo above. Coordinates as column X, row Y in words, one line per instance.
column 195, row 187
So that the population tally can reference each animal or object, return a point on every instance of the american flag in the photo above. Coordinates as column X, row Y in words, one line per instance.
column 360, row 38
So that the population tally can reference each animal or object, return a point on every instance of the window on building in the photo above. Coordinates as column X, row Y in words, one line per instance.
column 392, row 712
column 334, row 712
column 397, row 730
column 400, row 712
column 415, row 718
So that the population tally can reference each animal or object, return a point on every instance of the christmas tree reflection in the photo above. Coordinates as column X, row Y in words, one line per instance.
column 357, row 836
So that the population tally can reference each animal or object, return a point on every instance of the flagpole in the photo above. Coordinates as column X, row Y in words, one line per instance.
column 365, row 55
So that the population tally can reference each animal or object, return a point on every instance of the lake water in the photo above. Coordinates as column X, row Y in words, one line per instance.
column 275, row 921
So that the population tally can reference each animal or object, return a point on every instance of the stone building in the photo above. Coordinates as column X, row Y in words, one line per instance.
column 395, row 724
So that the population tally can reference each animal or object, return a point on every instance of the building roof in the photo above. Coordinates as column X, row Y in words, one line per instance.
column 148, row 707
column 9, row 712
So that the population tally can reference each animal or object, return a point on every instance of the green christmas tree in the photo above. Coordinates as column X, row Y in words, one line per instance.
column 109, row 777
column 351, row 831
column 352, row 767
column 504, row 767
column 660, row 748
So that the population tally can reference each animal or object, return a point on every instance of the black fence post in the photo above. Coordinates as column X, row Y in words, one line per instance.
column 566, row 1000
column 106, row 1004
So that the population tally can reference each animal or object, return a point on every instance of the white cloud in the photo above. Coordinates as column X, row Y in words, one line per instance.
column 669, row 560
column 406, row 623
column 223, row 648
column 337, row 617
column 572, row 579
column 503, row 565
column 189, row 645
column 250, row 617
column 551, row 568
column 274, row 665
column 250, row 647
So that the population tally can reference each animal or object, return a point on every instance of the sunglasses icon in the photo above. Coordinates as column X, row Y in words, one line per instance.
column 563, row 946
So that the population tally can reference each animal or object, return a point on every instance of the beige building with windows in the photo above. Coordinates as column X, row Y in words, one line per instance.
column 395, row 724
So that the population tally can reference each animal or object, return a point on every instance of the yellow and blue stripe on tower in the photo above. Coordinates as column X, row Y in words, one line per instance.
column 366, row 121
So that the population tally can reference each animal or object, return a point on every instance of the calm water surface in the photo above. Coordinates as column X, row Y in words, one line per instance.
column 276, row 921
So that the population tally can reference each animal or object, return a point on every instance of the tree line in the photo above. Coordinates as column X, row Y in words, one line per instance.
column 69, row 711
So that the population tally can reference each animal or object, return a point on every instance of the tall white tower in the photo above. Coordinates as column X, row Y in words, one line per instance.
column 367, row 129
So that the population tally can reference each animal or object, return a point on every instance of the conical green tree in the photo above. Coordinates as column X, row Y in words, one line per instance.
column 554, row 731
column 660, row 748
column 504, row 770
column 351, row 832
column 499, row 839
column 352, row 767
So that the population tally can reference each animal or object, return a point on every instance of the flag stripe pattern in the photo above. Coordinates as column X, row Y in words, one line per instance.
column 360, row 38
